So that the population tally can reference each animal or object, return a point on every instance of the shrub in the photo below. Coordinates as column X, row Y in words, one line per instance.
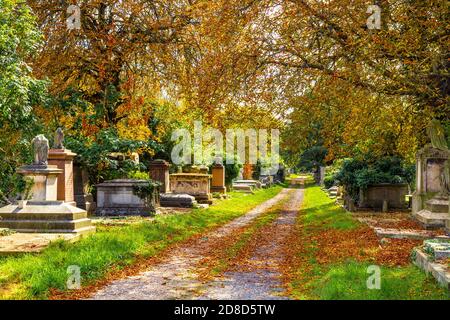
column 359, row 174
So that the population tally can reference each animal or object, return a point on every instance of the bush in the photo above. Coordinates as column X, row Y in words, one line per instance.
column 329, row 182
column 95, row 155
column 359, row 174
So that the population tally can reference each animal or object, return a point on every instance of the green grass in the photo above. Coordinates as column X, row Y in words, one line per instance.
column 31, row 276
column 347, row 281
column 321, row 212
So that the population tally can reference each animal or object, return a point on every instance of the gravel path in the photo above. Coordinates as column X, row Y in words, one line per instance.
column 177, row 278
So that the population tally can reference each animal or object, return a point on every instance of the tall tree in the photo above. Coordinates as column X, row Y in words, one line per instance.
column 20, row 92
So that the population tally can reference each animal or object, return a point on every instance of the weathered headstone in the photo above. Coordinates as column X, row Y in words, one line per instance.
column 159, row 171
column 83, row 198
column 218, row 179
column 322, row 176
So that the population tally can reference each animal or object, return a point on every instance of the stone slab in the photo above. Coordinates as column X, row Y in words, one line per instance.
column 31, row 242
column 404, row 234
column 438, row 248
column 46, row 217
column 177, row 201
column 440, row 271
column 432, row 220
column 243, row 188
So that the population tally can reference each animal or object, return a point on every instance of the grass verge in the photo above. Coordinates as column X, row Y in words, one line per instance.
column 332, row 252
column 33, row 276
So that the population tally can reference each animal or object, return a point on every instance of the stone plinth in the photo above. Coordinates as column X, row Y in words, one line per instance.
column 83, row 198
column 218, row 179
column 374, row 196
column 159, row 171
column 46, row 217
column 45, row 179
column 435, row 214
column 116, row 198
column 193, row 184
column 253, row 183
column 63, row 159
column 177, row 200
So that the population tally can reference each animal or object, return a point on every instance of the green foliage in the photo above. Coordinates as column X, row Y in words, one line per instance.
column 19, row 38
column 312, row 158
column 95, row 155
column 147, row 191
column 231, row 173
column 138, row 175
column 19, row 92
column 359, row 174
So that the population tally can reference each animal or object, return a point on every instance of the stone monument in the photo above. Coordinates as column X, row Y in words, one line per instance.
column 159, row 171
column 117, row 198
column 43, row 213
column 218, row 179
column 44, row 176
column 83, row 198
column 431, row 198
column 193, row 184
column 63, row 159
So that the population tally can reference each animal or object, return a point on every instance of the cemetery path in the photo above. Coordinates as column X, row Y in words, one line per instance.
column 258, row 276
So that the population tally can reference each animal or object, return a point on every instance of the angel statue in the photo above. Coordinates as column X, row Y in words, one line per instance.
column 40, row 147
column 437, row 136
column 59, row 139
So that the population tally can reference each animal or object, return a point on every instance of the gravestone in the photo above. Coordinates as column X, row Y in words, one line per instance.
column 218, row 179
column 159, row 171
column 322, row 176
column 83, row 198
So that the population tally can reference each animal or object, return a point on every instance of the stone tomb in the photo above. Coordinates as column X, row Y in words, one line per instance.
column 116, row 198
column 374, row 196
column 430, row 206
column 46, row 217
column 43, row 213
column 193, row 184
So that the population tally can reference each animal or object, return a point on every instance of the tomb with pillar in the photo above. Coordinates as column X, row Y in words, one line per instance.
column 43, row 211
column 431, row 199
